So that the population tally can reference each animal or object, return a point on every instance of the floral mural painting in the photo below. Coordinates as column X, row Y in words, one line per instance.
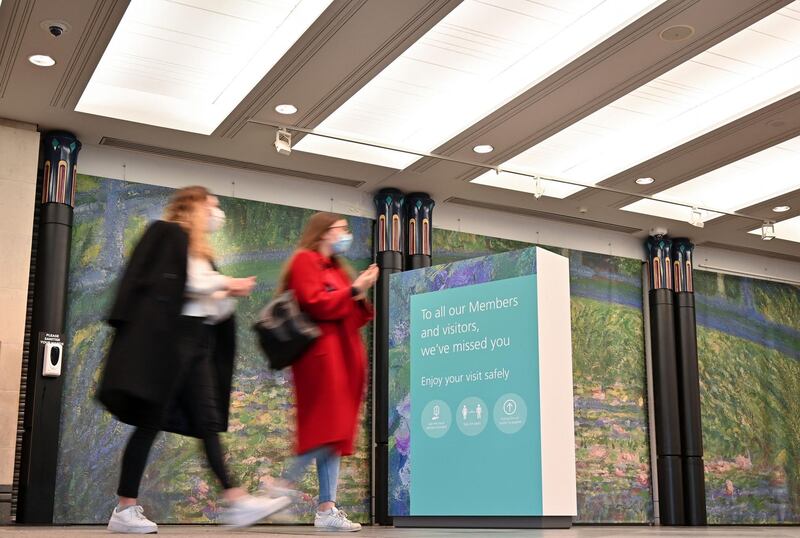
column 177, row 486
column 608, row 363
column 748, row 350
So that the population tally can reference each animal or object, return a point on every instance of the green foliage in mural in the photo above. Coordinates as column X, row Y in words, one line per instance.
column 748, row 345
column 177, row 487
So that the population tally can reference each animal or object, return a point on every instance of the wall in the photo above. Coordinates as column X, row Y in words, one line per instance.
column 19, row 153
column 748, row 350
column 482, row 225
column 170, row 172
column 177, row 487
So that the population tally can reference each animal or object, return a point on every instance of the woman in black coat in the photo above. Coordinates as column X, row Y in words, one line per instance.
column 171, row 359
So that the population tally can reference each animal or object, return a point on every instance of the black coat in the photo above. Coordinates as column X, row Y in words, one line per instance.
column 144, row 373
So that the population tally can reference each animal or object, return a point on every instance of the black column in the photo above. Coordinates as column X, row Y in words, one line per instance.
column 419, row 230
column 689, row 385
column 388, row 245
column 665, row 383
column 43, row 393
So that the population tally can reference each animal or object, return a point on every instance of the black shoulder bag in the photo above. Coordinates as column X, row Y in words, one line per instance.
column 284, row 331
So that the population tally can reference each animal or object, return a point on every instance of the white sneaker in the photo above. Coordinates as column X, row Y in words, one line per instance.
column 335, row 520
column 250, row 510
column 131, row 520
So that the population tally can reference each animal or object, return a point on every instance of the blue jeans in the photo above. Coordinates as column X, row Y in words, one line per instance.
column 327, row 471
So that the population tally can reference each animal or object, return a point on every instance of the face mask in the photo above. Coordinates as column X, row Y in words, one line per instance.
column 216, row 220
column 342, row 244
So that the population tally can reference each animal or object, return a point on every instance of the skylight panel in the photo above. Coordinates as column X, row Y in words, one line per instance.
column 762, row 176
column 477, row 58
column 187, row 64
column 742, row 74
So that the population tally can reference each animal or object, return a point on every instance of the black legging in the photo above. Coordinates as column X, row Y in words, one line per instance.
column 134, row 461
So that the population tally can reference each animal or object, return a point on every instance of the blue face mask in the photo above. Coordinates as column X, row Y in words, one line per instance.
column 342, row 244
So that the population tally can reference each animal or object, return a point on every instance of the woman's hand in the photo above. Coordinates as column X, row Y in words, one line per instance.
column 366, row 280
column 241, row 287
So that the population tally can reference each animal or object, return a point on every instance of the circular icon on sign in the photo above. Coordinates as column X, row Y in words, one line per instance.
column 510, row 413
column 436, row 419
column 471, row 416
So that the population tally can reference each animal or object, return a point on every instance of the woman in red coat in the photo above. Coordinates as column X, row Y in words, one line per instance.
column 330, row 377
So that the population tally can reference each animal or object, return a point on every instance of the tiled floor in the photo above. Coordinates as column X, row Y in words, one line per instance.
column 187, row 531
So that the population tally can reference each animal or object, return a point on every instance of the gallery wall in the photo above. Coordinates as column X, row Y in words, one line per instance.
column 281, row 189
column 748, row 341
column 748, row 348
column 177, row 487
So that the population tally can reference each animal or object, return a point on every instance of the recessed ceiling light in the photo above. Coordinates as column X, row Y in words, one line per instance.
column 781, row 208
column 677, row 33
column 483, row 148
column 41, row 60
column 286, row 109
column 645, row 181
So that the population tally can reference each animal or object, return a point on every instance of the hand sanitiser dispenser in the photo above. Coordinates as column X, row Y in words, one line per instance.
column 52, row 358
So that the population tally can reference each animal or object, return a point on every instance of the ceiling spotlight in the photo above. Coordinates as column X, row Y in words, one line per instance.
column 283, row 142
column 645, row 181
column 286, row 109
column 781, row 209
column 538, row 187
column 41, row 60
column 768, row 231
column 483, row 148
column 696, row 218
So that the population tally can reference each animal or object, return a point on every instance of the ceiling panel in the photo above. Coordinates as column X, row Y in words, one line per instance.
column 743, row 73
column 762, row 176
column 483, row 54
column 186, row 65
column 355, row 40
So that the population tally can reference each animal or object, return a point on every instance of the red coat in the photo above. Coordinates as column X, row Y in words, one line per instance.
column 330, row 378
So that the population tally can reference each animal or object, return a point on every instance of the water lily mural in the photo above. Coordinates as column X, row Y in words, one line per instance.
column 177, row 487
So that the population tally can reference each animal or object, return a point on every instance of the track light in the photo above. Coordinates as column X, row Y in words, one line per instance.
column 283, row 142
column 538, row 187
column 768, row 231
column 696, row 218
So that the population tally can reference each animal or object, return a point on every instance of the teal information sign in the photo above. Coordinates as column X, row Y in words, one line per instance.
column 475, row 420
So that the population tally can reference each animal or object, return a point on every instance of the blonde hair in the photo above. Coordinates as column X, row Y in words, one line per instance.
column 311, row 239
column 186, row 208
